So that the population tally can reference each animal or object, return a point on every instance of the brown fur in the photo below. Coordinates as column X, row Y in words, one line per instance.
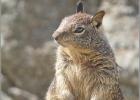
column 85, row 67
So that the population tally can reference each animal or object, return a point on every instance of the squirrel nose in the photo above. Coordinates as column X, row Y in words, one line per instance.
column 58, row 35
column 55, row 35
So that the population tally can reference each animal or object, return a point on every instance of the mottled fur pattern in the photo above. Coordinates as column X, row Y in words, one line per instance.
column 85, row 67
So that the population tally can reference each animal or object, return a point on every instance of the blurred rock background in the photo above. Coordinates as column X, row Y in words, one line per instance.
column 28, row 50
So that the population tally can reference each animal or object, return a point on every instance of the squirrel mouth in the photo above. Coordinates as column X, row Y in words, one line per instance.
column 60, row 43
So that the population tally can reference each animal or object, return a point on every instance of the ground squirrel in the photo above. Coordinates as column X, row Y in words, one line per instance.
column 85, row 67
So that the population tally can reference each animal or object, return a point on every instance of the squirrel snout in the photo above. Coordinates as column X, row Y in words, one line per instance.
column 58, row 35
column 55, row 35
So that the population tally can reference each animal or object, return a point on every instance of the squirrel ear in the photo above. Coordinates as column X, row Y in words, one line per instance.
column 97, row 19
column 80, row 7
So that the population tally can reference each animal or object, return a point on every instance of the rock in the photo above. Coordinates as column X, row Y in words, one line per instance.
column 34, row 72
column 4, row 96
column 19, row 94
column 121, row 22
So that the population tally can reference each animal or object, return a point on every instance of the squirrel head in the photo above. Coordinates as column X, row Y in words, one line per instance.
column 79, row 29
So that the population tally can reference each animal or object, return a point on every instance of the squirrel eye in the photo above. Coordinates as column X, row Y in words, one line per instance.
column 79, row 30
